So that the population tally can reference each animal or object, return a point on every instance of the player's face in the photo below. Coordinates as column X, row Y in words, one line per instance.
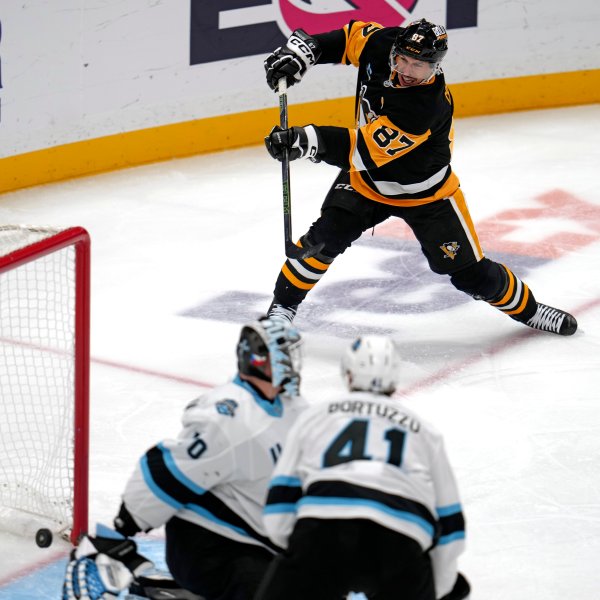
column 412, row 71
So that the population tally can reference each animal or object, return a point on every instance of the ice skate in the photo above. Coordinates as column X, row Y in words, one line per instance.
column 553, row 320
column 278, row 311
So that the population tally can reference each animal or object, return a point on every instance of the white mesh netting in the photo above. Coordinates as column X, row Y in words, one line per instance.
column 37, row 341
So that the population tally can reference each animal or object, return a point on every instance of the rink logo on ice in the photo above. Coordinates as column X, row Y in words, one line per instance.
column 224, row 29
column 558, row 224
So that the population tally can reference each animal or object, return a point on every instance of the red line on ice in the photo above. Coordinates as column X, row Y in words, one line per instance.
column 518, row 338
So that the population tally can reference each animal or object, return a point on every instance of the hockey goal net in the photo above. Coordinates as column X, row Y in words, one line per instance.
column 44, row 379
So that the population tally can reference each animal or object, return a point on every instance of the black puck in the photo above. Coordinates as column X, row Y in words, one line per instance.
column 43, row 538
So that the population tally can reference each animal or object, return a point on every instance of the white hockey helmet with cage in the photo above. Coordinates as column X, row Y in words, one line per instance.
column 371, row 364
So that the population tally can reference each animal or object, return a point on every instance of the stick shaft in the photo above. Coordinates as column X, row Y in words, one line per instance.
column 285, row 165
column 291, row 249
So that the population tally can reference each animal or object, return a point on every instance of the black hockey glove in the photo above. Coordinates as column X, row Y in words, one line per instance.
column 293, row 60
column 124, row 523
column 460, row 591
column 302, row 142
column 102, row 566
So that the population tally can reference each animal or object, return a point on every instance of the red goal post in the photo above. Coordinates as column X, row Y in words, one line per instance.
column 44, row 379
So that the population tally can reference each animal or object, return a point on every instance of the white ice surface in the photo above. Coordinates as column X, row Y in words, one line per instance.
column 519, row 409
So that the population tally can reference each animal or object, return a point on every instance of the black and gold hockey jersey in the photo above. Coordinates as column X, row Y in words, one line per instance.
column 399, row 153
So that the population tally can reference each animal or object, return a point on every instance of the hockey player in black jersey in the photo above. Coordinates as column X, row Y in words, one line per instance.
column 395, row 162
column 363, row 497
column 207, row 486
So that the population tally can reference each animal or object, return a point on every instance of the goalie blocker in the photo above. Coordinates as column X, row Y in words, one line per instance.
column 103, row 566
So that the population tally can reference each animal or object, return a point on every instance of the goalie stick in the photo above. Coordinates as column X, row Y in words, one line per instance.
column 291, row 249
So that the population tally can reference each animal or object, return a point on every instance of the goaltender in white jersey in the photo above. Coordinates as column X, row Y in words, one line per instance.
column 363, row 497
column 209, row 484
column 216, row 472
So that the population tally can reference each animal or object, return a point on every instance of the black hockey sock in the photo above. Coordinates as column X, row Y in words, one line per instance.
column 298, row 277
column 516, row 299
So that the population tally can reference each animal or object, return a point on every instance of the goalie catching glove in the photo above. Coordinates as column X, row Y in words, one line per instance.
column 102, row 566
column 293, row 60
column 301, row 142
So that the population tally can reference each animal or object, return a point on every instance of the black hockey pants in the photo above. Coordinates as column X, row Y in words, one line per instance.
column 443, row 229
column 327, row 559
column 211, row 565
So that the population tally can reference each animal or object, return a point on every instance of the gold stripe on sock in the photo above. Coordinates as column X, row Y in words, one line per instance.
column 295, row 281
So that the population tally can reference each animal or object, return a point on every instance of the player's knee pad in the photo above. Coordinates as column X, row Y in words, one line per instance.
column 483, row 280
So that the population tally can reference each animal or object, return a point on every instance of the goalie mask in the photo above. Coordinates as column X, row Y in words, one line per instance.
column 270, row 349
column 371, row 364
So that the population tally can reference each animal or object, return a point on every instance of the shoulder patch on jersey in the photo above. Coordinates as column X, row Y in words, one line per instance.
column 227, row 407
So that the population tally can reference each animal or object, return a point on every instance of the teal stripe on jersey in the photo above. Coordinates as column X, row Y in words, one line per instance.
column 397, row 514
column 176, row 472
column 451, row 509
column 286, row 481
column 202, row 512
column 453, row 537
column 273, row 408
column 274, row 509
column 154, row 488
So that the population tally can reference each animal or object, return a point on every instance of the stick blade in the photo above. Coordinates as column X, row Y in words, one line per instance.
column 293, row 251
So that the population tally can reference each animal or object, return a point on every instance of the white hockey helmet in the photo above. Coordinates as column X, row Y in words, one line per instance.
column 371, row 364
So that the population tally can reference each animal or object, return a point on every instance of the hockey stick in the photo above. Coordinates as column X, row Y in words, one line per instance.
column 291, row 249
